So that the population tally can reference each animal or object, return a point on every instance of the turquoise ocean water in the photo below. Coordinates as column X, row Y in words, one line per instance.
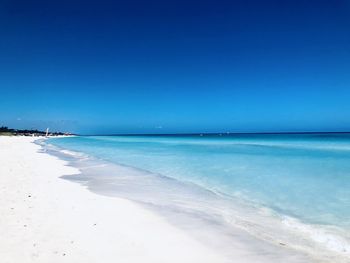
column 304, row 179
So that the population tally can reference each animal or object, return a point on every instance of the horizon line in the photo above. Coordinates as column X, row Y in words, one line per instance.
column 214, row 133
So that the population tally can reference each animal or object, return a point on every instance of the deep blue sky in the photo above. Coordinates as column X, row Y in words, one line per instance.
column 175, row 66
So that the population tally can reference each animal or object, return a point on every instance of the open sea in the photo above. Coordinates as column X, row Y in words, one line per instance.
column 287, row 189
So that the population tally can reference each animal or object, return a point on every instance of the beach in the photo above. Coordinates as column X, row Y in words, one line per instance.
column 119, row 215
column 47, row 219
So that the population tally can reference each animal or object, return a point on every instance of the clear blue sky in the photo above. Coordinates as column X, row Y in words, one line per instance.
column 175, row 66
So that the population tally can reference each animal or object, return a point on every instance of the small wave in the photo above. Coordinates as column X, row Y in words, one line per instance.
column 330, row 237
column 72, row 153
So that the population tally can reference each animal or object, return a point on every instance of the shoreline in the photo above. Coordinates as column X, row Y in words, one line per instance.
column 205, row 246
column 47, row 219
column 198, row 206
column 197, row 218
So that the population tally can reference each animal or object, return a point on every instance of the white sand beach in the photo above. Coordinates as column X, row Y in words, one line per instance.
column 46, row 219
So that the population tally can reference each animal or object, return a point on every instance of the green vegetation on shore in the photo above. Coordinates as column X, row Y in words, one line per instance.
column 5, row 131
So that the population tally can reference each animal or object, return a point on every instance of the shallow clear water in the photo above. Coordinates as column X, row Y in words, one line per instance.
column 305, row 177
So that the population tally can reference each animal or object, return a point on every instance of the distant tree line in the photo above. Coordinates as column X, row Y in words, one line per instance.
column 4, row 129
